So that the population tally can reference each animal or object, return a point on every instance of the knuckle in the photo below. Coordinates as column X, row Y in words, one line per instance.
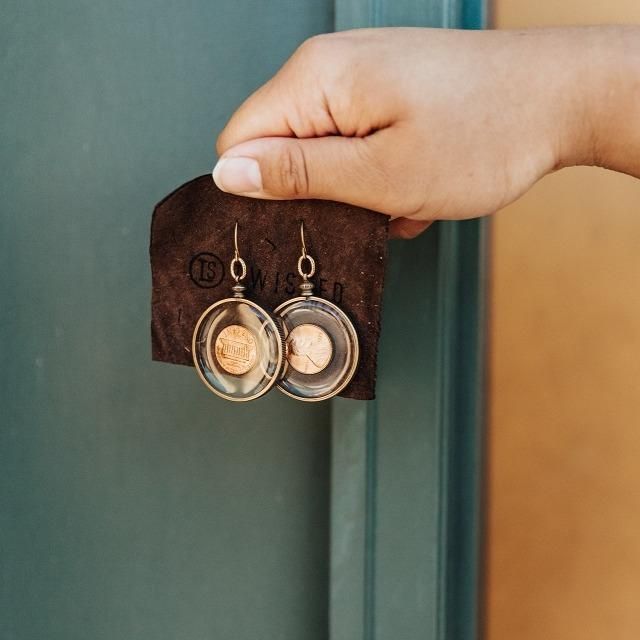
column 407, row 229
column 404, row 233
column 315, row 45
column 226, row 137
column 375, row 170
column 325, row 53
column 292, row 174
column 220, row 145
column 327, row 61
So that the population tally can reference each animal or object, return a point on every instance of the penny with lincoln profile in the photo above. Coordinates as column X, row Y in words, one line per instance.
column 309, row 349
column 235, row 349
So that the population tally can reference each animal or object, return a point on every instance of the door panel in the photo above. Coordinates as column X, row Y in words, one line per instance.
column 134, row 503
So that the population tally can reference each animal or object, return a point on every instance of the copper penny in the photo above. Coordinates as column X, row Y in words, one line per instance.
column 236, row 350
column 309, row 348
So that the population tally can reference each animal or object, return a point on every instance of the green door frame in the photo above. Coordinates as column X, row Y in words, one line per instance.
column 133, row 503
column 406, row 468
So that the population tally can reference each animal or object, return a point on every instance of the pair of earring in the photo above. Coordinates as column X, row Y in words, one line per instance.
column 308, row 347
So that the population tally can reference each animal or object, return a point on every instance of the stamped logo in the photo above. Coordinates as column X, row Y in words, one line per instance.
column 206, row 270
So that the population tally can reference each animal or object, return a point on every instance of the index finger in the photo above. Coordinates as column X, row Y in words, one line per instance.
column 261, row 115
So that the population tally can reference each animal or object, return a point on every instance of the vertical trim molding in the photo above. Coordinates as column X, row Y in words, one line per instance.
column 353, row 514
column 454, row 424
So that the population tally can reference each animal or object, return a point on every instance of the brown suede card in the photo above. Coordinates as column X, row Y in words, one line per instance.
column 192, row 246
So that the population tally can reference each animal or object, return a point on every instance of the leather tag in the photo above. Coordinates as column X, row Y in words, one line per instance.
column 192, row 246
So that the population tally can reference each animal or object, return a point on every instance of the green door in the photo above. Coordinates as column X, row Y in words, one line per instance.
column 135, row 504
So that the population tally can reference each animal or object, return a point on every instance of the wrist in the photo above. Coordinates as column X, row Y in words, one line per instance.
column 601, row 126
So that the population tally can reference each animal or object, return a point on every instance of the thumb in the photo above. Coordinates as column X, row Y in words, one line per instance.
column 329, row 168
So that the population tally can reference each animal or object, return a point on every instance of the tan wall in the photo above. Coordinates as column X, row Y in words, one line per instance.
column 564, row 486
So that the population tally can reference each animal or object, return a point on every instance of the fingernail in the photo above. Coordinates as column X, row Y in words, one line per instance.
column 238, row 175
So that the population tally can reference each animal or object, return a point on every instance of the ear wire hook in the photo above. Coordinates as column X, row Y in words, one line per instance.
column 304, row 246
column 305, row 256
column 237, row 260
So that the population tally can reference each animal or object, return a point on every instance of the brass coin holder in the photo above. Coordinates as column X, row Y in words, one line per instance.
column 237, row 347
column 322, row 346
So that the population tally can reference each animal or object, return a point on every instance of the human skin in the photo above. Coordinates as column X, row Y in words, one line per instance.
column 426, row 124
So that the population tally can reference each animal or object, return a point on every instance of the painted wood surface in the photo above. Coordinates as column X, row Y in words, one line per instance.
column 134, row 503
column 406, row 468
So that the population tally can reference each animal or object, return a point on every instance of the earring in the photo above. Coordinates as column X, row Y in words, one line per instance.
column 237, row 346
column 321, row 342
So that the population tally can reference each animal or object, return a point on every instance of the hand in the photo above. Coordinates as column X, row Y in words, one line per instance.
column 422, row 124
